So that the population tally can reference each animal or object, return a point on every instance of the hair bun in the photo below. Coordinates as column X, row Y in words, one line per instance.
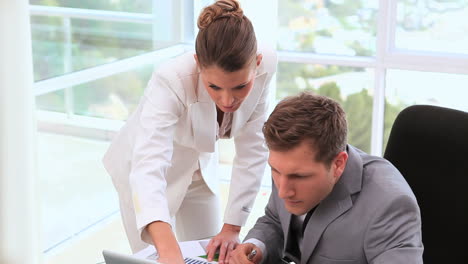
column 217, row 10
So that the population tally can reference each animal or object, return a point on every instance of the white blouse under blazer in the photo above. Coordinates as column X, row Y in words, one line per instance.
column 172, row 134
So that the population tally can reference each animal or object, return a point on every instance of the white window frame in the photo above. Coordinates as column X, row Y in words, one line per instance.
column 166, row 27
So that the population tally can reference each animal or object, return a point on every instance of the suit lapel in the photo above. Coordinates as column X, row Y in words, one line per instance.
column 244, row 112
column 203, row 118
column 325, row 213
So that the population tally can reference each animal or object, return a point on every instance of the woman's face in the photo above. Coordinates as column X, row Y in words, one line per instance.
column 229, row 89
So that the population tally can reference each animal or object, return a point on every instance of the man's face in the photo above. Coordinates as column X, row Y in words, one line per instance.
column 301, row 181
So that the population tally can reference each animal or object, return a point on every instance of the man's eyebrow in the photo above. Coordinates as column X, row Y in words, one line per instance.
column 300, row 174
column 293, row 174
column 242, row 84
column 212, row 84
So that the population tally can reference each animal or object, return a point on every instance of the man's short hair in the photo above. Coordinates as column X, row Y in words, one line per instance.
column 307, row 116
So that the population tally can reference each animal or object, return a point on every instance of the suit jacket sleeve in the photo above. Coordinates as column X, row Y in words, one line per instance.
column 394, row 233
column 250, row 160
column 268, row 229
column 152, row 153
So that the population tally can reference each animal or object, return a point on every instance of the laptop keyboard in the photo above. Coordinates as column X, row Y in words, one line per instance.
column 186, row 260
column 153, row 256
column 194, row 261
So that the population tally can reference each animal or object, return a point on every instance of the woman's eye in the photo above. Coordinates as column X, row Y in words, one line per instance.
column 240, row 87
column 216, row 88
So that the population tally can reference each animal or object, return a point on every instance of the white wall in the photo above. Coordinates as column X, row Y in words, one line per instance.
column 19, row 228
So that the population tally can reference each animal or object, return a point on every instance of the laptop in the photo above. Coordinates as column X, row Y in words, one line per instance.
column 112, row 257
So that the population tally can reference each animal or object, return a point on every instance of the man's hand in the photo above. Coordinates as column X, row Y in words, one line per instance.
column 226, row 241
column 241, row 254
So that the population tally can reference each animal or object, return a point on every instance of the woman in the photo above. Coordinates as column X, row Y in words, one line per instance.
column 163, row 161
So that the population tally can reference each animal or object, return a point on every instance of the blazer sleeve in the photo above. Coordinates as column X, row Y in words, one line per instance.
column 152, row 153
column 394, row 233
column 268, row 230
column 250, row 159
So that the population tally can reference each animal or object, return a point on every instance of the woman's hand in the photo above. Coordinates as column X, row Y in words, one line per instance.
column 165, row 243
column 225, row 241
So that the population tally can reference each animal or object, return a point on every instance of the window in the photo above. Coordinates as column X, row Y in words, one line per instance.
column 405, row 88
column 389, row 41
column 351, row 87
column 328, row 27
column 72, row 36
column 436, row 23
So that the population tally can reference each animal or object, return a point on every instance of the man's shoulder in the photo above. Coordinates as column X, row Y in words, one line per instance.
column 382, row 181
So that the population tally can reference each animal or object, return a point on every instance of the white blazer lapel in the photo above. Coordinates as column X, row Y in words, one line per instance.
column 244, row 112
column 203, row 116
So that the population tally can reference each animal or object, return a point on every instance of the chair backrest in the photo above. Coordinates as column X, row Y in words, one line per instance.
column 429, row 146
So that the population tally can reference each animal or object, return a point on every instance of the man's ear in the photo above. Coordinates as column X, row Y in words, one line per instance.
column 340, row 164
column 259, row 59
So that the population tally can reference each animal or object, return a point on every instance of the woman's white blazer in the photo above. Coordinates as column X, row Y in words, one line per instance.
column 172, row 133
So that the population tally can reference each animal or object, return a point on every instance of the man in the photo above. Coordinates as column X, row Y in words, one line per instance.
column 331, row 202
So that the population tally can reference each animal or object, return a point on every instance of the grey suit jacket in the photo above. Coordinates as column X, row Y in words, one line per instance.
column 371, row 216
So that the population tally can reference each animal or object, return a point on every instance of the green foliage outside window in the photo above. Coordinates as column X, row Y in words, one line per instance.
column 357, row 105
column 350, row 26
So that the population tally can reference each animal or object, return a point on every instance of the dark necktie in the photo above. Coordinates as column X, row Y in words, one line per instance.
column 292, row 247
column 293, row 252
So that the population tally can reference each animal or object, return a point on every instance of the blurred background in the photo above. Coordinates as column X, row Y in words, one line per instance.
column 92, row 60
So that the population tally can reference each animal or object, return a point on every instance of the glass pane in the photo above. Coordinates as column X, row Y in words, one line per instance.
column 63, row 43
column 405, row 88
column 352, row 87
column 54, row 101
column 92, row 43
column 435, row 25
column 137, row 6
column 113, row 97
column 77, row 193
column 328, row 27
column 47, row 47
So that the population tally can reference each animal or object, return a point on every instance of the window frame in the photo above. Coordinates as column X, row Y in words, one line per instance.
column 387, row 56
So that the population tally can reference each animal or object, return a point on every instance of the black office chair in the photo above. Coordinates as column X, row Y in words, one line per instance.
column 429, row 145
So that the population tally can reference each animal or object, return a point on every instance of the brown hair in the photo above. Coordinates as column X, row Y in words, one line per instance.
column 226, row 38
column 315, row 118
